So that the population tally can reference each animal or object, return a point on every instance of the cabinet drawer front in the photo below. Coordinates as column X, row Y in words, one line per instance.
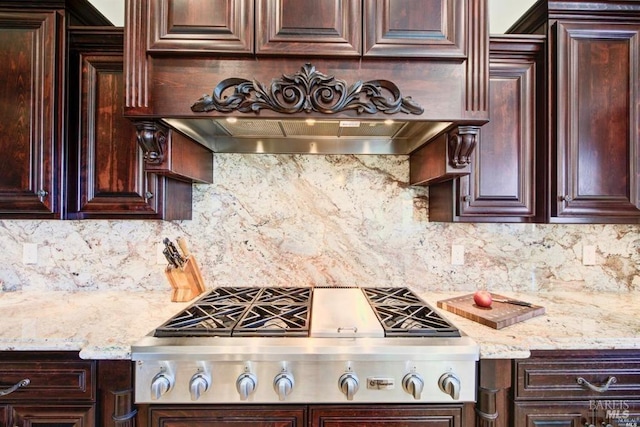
column 577, row 378
column 53, row 381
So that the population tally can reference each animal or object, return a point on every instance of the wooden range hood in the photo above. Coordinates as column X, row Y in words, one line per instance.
column 298, row 76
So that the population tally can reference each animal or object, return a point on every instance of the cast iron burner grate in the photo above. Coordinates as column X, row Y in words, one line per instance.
column 402, row 313
column 241, row 311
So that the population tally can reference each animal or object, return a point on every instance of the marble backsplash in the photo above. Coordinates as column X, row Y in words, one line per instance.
column 319, row 220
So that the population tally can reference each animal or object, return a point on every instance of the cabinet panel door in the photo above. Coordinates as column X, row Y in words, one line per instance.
column 431, row 416
column 52, row 416
column 309, row 27
column 412, row 28
column 598, row 123
column 502, row 181
column 217, row 26
column 29, row 136
column 228, row 417
column 552, row 414
column 111, row 180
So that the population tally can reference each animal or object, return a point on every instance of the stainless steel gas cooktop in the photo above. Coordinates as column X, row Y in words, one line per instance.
column 306, row 345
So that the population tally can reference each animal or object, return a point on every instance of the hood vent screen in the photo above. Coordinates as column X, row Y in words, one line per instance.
column 325, row 128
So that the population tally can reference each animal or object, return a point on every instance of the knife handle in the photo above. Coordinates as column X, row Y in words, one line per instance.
column 183, row 246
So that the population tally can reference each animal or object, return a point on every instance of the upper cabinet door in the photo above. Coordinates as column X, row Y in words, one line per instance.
column 597, row 126
column 415, row 28
column 215, row 26
column 110, row 182
column 29, row 137
column 309, row 27
column 502, row 184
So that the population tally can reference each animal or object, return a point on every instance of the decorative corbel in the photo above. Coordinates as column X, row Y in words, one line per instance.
column 462, row 140
column 152, row 138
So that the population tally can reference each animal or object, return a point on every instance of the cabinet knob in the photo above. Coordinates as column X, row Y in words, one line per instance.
column 42, row 194
column 565, row 198
column 148, row 195
column 466, row 198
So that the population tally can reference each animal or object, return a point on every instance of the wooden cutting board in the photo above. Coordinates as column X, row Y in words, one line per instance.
column 497, row 316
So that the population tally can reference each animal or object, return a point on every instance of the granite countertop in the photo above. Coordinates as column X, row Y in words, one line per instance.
column 104, row 324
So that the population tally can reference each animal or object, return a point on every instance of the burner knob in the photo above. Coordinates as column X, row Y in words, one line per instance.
column 283, row 384
column 246, row 384
column 349, row 384
column 199, row 384
column 413, row 384
column 450, row 384
column 160, row 385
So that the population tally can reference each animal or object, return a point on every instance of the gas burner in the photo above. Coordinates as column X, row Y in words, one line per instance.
column 231, row 311
column 203, row 319
column 402, row 313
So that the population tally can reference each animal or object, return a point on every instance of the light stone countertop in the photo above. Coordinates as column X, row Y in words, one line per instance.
column 104, row 324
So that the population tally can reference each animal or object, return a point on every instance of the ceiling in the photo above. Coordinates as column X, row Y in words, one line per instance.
column 502, row 13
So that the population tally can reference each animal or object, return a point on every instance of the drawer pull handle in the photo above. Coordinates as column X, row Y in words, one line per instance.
column 23, row 383
column 601, row 389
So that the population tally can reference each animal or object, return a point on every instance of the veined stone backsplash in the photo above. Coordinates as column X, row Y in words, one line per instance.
column 319, row 220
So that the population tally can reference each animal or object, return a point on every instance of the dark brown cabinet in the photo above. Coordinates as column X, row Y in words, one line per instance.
column 32, row 49
column 577, row 388
column 63, row 390
column 405, row 416
column 212, row 26
column 306, row 415
column 280, row 416
column 407, row 28
column 294, row 27
column 506, row 179
column 593, row 125
column 335, row 28
column 106, row 173
column 57, row 389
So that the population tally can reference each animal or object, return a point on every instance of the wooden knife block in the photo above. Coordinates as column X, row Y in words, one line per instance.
column 186, row 281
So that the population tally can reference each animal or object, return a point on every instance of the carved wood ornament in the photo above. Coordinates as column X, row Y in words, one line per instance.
column 307, row 91
column 462, row 140
column 152, row 138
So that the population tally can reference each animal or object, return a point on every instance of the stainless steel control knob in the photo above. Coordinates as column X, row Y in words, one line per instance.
column 349, row 384
column 246, row 384
column 160, row 385
column 450, row 384
column 413, row 383
column 199, row 384
column 283, row 384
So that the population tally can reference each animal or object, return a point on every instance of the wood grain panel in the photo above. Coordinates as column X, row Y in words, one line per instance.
column 215, row 26
column 410, row 28
column 388, row 416
column 29, row 138
column 230, row 416
column 309, row 27
column 598, row 139
column 111, row 176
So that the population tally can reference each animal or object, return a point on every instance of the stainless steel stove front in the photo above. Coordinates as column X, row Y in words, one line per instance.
column 331, row 345
column 306, row 370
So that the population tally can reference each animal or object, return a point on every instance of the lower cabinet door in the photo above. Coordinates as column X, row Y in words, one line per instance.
column 276, row 416
column 595, row 412
column 51, row 416
column 405, row 416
